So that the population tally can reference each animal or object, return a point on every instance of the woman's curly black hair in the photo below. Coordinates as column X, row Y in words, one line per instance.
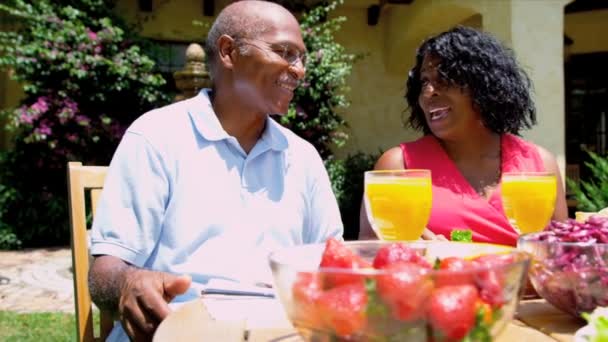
column 468, row 58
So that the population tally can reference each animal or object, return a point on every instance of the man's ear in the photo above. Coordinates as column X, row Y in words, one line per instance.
column 227, row 48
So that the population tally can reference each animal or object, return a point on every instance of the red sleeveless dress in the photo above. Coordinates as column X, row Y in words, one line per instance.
column 455, row 203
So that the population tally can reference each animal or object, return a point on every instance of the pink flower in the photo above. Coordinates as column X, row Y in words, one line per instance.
column 41, row 105
column 43, row 130
column 24, row 116
column 82, row 120
column 92, row 35
column 72, row 137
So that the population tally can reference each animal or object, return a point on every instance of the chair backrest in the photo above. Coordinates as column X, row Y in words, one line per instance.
column 83, row 180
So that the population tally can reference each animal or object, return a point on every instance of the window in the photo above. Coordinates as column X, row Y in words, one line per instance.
column 169, row 56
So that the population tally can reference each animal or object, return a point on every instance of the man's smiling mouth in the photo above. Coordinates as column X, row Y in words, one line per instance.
column 288, row 86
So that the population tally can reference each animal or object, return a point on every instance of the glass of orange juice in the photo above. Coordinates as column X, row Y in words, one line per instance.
column 398, row 202
column 529, row 199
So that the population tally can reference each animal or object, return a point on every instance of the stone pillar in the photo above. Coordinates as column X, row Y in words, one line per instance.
column 539, row 49
column 194, row 76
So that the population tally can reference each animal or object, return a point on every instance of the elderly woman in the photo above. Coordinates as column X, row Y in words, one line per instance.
column 469, row 97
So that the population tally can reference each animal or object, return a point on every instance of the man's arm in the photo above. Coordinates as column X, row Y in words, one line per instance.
column 138, row 296
column 323, row 218
column 126, row 228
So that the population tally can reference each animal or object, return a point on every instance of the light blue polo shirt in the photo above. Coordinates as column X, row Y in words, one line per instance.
column 182, row 196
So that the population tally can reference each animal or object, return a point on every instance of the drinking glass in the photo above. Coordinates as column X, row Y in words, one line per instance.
column 398, row 202
column 529, row 199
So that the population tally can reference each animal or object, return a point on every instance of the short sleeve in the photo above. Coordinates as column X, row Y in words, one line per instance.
column 130, row 212
column 323, row 219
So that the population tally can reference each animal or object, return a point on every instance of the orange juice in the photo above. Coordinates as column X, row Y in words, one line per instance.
column 529, row 200
column 398, row 207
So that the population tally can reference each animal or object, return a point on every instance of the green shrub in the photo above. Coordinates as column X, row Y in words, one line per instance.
column 592, row 195
column 85, row 79
column 346, row 177
column 314, row 112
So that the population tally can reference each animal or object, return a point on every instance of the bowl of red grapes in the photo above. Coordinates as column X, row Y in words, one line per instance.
column 569, row 265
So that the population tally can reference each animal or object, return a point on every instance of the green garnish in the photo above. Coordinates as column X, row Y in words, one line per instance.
column 599, row 320
column 375, row 306
column 461, row 235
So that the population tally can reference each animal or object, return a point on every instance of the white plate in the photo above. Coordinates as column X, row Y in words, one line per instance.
column 584, row 334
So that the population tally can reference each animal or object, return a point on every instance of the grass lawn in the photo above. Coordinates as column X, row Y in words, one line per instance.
column 38, row 327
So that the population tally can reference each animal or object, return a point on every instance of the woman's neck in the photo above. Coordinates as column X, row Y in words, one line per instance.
column 475, row 147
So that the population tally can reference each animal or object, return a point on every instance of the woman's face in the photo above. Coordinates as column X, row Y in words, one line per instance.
column 448, row 109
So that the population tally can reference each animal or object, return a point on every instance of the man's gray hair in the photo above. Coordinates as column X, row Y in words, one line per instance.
column 238, row 20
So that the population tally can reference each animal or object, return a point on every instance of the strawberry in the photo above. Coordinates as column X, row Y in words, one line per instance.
column 494, row 259
column 462, row 274
column 405, row 288
column 342, row 309
column 491, row 282
column 452, row 310
column 337, row 255
column 395, row 252
column 306, row 290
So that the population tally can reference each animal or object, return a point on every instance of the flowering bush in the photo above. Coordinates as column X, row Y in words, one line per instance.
column 313, row 114
column 85, row 80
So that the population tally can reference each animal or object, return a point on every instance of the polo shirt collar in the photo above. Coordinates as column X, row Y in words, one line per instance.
column 210, row 128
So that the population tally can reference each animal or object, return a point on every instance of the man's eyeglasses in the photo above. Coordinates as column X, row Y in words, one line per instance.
column 289, row 54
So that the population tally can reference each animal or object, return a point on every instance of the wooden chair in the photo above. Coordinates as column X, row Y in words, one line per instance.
column 83, row 179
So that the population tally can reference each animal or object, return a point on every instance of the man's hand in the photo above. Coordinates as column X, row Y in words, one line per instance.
column 139, row 296
column 144, row 298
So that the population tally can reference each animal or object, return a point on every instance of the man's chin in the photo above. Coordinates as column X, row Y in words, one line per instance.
column 280, row 114
column 280, row 110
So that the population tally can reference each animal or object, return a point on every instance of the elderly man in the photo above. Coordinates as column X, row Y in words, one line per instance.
column 206, row 187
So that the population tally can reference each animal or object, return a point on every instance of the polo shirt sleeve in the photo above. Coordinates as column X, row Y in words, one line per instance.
column 130, row 212
column 323, row 219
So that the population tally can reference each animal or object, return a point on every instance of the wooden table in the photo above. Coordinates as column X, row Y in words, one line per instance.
column 535, row 320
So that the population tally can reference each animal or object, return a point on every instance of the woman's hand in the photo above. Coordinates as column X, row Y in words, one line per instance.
column 427, row 234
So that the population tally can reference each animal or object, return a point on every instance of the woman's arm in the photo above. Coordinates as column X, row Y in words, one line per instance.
column 561, row 208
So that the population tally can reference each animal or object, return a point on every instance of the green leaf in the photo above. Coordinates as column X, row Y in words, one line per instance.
column 461, row 235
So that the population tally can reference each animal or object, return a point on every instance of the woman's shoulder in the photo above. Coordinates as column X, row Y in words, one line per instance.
column 547, row 158
column 391, row 159
column 395, row 157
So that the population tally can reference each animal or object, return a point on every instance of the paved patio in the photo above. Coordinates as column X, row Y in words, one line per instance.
column 36, row 280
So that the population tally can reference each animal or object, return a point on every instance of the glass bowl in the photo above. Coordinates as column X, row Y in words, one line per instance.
column 572, row 276
column 329, row 304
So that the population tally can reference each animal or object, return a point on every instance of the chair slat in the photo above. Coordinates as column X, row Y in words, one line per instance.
column 80, row 180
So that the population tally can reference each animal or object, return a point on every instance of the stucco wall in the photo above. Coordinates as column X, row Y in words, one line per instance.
column 170, row 19
column 539, row 48
column 377, row 96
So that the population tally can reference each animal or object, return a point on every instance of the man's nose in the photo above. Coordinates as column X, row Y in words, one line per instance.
column 298, row 69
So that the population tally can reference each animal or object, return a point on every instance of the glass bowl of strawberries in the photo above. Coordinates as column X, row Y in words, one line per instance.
column 399, row 291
